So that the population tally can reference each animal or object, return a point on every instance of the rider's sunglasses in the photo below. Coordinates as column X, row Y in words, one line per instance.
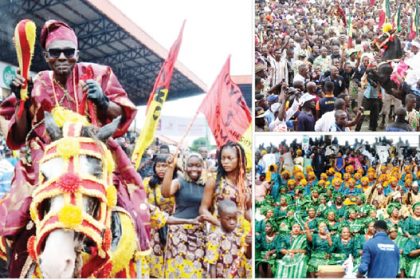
column 55, row 53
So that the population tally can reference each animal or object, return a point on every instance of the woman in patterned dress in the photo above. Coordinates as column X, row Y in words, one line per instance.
column 344, row 245
column 412, row 253
column 231, row 184
column 153, row 190
column 185, row 245
column 400, row 240
column 267, row 248
column 294, row 263
column 321, row 246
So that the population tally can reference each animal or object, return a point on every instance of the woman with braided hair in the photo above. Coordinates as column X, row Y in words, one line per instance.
column 230, row 184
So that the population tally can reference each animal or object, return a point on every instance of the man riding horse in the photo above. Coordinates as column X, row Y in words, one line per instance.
column 70, row 89
column 392, row 53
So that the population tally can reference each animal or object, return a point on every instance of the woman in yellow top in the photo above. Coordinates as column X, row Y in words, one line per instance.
column 152, row 186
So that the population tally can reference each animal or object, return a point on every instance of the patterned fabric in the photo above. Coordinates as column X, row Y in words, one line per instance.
column 223, row 249
column 342, row 251
column 225, row 190
column 412, row 226
column 293, row 266
column 164, row 204
column 158, row 249
column 320, row 248
column 412, row 264
column 185, row 249
column 400, row 241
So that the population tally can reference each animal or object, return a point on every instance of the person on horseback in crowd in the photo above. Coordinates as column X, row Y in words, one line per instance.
column 68, row 91
column 319, row 32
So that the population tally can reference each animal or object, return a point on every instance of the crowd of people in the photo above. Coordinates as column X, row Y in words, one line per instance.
column 199, row 208
column 319, row 203
column 306, row 66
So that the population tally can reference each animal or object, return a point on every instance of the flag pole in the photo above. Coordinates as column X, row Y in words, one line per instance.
column 181, row 142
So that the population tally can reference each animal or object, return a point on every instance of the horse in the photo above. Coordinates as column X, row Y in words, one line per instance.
column 79, row 229
column 390, row 44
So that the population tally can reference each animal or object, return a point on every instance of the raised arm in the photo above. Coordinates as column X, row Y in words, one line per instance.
column 308, row 233
column 169, row 186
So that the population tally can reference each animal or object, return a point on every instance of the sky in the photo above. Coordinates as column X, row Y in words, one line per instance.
column 214, row 30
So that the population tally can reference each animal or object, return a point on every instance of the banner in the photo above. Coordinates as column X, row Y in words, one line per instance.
column 384, row 13
column 397, row 19
column 227, row 113
column 156, row 100
column 350, row 31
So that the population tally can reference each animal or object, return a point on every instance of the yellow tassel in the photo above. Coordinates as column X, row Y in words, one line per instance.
column 111, row 196
column 70, row 216
column 68, row 148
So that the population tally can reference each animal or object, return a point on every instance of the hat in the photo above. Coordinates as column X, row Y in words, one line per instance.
column 302, row 53
column 260, row 67
column 392, row 206
column 305, row 98
column 352, row 51
column 259, row 112
column 259, row 97
column 54, row 30
column 273, row 98
column 415, row 44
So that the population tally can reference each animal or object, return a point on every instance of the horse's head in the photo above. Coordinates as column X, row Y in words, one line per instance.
column 389, row 44
column 72, row 204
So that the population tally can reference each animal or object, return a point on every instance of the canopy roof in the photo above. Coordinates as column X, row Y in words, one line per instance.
column 106, row 36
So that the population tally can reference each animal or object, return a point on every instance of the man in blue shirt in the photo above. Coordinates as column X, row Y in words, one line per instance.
column 381, row 256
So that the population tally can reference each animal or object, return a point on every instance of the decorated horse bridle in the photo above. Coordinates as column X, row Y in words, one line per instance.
column 74, row 186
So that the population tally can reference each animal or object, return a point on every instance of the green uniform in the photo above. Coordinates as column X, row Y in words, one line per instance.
column 296, row 266
column 339, row 213
column 319, row 250
column 412, row 264
column 313, row 225
column 262, row 246
column 412, row 226
column 400, row 241
column 342, row 251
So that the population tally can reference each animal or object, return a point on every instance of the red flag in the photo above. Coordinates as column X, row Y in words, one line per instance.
column 164, row 77
column 156, row 100
column 229, row 119
column 342, row 14
column 226, row 111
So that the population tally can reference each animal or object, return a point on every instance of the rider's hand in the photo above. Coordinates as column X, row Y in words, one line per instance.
column 18, row 82
column 95, row 93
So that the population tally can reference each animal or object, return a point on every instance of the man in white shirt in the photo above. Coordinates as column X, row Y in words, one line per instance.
column 302, row 75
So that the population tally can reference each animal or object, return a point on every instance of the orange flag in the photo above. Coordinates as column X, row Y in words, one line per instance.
column 227, row 114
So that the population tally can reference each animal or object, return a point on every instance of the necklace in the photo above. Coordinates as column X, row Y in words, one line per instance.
column 66, row 93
